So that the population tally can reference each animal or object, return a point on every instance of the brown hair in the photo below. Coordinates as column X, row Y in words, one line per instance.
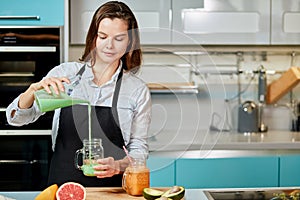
column 115, row 9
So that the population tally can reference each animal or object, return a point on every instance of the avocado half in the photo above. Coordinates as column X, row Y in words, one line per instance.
column 175, row 193
column 152, row 194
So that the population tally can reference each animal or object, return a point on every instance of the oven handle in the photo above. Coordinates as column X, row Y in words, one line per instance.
column 27, row 49
column 16, row 74
column 31, row 162
column 21, row 17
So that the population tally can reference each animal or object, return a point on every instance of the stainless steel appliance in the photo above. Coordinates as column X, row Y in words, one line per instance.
column 248, row 117
column 253, row 194
column 27, row 53
column 24, row 162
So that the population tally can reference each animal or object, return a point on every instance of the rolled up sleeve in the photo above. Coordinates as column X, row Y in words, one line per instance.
column 21, row 116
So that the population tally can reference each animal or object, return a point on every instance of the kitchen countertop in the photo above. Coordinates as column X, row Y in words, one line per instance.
column 218, row 140
column 104, row 194
column 206, row 140
column 119, row 194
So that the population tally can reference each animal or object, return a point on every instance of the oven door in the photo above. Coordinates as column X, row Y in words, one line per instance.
column 24, row 161
column 27, row 54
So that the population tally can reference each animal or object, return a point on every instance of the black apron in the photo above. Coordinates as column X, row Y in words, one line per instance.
column 73, row 128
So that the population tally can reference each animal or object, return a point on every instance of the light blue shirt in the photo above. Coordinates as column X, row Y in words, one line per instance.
column 134, row 104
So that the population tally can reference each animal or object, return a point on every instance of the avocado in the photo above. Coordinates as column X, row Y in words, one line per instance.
column 175, row 193
column 151, row 194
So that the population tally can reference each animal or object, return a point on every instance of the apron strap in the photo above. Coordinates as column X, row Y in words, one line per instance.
column 114, row 109
column 80, row 72
column 117, row 89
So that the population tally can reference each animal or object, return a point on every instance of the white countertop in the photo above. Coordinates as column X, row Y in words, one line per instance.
column 207, row 140
column 212, row 140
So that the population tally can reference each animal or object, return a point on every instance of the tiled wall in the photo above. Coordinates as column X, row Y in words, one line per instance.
column 219, row 84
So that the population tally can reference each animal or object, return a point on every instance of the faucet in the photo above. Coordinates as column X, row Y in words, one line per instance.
column 262, row 90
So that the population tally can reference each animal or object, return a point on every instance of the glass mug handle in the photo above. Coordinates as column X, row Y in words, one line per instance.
column 77, row 153
column 124, row 185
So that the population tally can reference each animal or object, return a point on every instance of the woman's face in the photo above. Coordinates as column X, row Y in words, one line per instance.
column 112, row 40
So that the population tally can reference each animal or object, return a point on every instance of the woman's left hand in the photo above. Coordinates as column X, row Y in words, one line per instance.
column 107, row 167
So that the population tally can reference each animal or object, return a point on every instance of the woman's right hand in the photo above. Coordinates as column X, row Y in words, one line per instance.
column 27, row 98
column 55, row 82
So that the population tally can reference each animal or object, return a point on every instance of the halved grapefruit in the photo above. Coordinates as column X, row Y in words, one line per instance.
column 71, row 191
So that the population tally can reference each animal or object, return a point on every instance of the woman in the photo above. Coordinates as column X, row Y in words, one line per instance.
column 120, row 101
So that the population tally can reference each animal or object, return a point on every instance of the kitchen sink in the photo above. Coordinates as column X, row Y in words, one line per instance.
column 254, row 194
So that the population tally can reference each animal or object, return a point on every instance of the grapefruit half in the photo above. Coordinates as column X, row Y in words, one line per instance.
column 71, row 191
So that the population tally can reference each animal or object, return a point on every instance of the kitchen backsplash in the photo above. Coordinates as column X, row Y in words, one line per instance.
column 221, row 72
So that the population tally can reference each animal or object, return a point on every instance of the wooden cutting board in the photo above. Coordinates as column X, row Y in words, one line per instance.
column 108, row 194
column 283, row 85
column 111, row 193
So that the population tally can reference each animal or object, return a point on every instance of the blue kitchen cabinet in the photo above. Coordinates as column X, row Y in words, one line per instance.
column 227, row 172
column 289, row 171
column 32, row 12
column 162, row 171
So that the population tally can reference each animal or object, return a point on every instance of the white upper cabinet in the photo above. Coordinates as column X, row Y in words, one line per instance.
column 154, row 19
column 204, row 22
column 285, row 22
column 221, row 22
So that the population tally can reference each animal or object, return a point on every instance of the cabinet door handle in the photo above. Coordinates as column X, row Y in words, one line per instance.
column 27, row 49
column 18, row 162
column 20, row 17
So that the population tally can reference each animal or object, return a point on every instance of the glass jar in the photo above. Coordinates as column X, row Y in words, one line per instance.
column 92, row 151
column 136, row 177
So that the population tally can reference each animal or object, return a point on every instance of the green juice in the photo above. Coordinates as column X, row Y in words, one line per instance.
column 90, row 129
column 49, row 102
column 88, row 169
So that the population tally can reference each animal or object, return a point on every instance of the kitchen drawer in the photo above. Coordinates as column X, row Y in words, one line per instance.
column 32, row 12
column 227, row 172
column 289, row 171
column 162, row 171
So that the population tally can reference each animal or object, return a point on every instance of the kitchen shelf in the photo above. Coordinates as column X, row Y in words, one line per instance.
column 167, row 88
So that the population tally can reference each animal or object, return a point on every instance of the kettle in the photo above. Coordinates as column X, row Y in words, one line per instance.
column 248, row 117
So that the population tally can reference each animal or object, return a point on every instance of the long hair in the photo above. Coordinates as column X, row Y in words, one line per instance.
column 115, row 9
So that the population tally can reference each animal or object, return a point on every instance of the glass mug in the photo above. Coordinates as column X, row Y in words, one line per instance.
column 91, row 151
column 136, row 177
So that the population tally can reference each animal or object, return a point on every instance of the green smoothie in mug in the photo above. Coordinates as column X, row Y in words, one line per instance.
column 92, row 151
column 88, row 169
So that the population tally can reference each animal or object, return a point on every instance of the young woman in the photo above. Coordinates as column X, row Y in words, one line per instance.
column 121, row 105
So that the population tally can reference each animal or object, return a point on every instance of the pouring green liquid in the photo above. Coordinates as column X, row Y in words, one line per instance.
column 49, row 102
column 87, row 168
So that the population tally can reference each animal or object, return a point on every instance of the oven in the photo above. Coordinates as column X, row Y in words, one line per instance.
column 24, row 161
column 27, row 53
